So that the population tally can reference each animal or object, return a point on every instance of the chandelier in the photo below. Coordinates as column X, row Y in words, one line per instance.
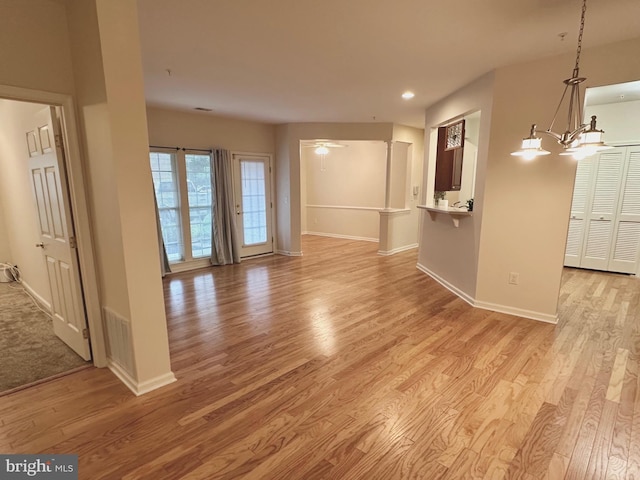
column 579, row 139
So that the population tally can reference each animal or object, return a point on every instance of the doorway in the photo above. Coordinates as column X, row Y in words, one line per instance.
column 32, row 232
column 604, row 226
column 253, row 203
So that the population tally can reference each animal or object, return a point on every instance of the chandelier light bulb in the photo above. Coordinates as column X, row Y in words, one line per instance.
column 321, row 150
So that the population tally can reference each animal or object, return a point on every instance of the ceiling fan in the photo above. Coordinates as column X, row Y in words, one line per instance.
column 321, row 146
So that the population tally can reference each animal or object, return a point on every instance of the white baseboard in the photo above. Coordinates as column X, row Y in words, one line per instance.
column 38, row 298
column 190, row 265
column 140, row 388
column 288, row 253
column 518, row 312
column 452, row 288
column 397, row 250
column 494, row 307
column 344, row 237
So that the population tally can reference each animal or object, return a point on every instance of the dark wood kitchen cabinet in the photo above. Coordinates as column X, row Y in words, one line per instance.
column 449, row 157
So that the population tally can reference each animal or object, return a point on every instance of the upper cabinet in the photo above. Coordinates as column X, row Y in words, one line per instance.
column 449, row 156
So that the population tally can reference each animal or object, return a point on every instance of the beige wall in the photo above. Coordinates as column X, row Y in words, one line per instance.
column 17, row 199
column 5, row 250
column 351, row 180
column 527, row 204
column 198, row 130
column 447, row 252
column 35, row 46
column 621, row 120
column 288, row 175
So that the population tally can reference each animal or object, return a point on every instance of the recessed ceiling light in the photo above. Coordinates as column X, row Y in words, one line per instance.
column 408, row 95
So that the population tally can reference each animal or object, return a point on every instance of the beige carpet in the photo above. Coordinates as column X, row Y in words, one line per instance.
column 29, row 350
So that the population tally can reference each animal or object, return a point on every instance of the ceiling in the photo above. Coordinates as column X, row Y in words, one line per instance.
column 282, row 61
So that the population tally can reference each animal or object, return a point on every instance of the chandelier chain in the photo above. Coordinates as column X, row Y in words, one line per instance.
column 579, row 50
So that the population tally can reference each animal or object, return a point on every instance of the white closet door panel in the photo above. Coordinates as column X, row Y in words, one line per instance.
column 597, row 244
column 630, row 205
column 624, row 257
column 582, row 187
column 573, row 251
column 607, row 184
column 579, row 206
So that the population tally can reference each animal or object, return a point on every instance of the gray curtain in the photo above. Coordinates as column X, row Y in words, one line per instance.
column 164, row 260
column 224, row 237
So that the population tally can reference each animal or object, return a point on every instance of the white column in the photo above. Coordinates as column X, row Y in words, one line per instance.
column 387, row 192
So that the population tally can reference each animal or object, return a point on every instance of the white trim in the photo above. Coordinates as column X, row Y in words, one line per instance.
column 180, row 267
column 494, row 307
column 347, row 207
column 345, row 237
column 288, row 253
column 140, row 388
column 397, row 250
column 452, row 288
column 38, row 298
column 390, row 212
column 79, row 207
column 519, row 312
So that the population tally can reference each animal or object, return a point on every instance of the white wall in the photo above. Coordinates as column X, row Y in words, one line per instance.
column 620, row 121
column 344, row 189
column 17, row 199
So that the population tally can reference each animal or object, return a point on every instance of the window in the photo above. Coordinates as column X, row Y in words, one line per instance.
column 183, row 191
column 163, row 169
column 199, row 188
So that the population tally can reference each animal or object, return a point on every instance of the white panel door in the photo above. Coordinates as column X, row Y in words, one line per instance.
column 602, row 210
column 57, row 241
column 579, row 206
column 252, row 193
column 626, row 240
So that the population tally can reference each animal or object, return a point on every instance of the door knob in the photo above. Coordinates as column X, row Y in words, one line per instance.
column 40, row 245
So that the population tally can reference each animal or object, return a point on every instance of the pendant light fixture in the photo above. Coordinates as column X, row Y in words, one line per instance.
column 579, row 139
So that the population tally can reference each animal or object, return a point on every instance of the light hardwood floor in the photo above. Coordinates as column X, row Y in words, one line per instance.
column 346, row 365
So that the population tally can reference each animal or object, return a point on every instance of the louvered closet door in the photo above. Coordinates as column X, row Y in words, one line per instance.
column 626, row 232
column 600, row 219
column 581, row 189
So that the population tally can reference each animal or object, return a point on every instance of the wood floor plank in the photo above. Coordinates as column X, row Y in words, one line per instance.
column 343, row 364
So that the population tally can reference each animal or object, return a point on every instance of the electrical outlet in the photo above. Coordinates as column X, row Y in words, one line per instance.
column 514, row 278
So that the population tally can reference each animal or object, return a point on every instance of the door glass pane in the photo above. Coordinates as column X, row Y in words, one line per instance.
column 254, row 208
column 166, row 189
column 199, row 194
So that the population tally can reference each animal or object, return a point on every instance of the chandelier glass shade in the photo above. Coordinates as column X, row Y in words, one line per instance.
column 578, row 139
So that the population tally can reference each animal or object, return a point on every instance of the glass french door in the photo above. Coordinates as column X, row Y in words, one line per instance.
column 252, row 193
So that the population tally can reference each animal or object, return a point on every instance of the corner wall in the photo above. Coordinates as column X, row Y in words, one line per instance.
column 527, row 205
column 448, row 253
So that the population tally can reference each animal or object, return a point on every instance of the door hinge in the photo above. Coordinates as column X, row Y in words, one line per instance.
column 58, row 140
column 72, row 242
column 271, row 204
column 85, row 334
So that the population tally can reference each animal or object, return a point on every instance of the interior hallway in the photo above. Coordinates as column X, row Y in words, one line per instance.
column 345, row 364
